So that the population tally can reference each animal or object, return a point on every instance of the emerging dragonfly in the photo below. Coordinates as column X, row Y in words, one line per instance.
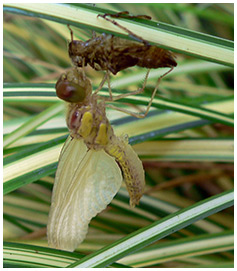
column 91, row 166
column 113, row 54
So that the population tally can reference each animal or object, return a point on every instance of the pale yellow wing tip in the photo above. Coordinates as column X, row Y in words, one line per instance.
column 65, row 248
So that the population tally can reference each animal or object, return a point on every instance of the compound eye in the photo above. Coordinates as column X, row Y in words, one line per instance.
column 69, row 91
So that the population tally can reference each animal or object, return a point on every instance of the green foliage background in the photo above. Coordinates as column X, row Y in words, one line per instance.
column 185, row 143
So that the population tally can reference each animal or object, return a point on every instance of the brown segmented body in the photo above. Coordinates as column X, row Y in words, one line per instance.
column 110, row 53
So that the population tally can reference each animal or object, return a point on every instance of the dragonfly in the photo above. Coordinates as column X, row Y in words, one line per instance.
column 92, row 164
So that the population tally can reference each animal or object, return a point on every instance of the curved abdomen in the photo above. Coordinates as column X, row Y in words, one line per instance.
column 131, row 167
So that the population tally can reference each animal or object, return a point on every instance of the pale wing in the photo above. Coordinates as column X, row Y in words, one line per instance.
column 90, row 189
column 71, row 156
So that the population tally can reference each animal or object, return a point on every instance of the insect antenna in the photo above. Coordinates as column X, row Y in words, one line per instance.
column 71, row 32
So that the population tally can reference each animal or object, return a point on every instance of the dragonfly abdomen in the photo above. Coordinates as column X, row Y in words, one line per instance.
column 131, row 167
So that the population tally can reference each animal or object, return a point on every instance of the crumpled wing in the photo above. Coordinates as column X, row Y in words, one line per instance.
column 86, row 182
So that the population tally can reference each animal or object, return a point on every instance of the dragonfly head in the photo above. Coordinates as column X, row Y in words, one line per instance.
column 73, row 86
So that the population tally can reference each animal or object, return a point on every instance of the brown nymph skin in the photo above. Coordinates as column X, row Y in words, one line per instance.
column 110, row 53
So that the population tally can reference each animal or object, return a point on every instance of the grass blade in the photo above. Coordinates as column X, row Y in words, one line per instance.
column 156, row 231
column 170, row 37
